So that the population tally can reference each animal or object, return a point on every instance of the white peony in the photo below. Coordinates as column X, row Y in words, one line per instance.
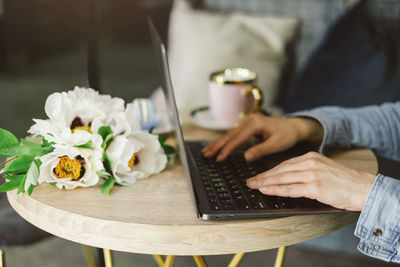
column 70, row 167
column 74, row 119
column 82, row 109
column 136, row 156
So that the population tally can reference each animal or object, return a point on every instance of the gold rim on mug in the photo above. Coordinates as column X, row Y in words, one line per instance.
column 249, row 77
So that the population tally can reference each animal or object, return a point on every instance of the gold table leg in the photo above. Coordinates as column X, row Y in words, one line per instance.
column 280, row 256
column 200, row 261
column 236, row 260
column 108, row 260
column 2, row 264
column 90, row 260
column 159, row 259
column 169, row 261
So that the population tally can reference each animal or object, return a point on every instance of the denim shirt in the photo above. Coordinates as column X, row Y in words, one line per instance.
column 377, row 128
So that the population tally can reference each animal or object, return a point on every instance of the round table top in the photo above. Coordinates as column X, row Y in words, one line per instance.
column 157, row 216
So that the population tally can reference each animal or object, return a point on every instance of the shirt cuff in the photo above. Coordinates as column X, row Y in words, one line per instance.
column 327, row 122
column 378, row 226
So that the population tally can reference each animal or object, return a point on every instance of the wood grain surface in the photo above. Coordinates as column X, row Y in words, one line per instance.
column 157, row 216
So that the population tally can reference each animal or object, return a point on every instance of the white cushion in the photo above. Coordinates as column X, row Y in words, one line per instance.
column 202, row 42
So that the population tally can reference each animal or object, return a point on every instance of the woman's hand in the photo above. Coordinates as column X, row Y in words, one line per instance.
column 279, row 133
column 317, row 177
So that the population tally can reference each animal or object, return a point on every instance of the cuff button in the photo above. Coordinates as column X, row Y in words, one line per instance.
column 377, row 232
column 376, row 247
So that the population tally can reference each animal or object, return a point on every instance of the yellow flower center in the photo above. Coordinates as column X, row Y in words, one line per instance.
column 131, row 163
column 82, row 128
column 67, row 167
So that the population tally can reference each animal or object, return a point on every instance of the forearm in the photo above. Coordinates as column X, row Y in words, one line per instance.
column 374, row 127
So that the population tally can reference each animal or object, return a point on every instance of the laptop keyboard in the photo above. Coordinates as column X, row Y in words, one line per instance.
column 225, row 182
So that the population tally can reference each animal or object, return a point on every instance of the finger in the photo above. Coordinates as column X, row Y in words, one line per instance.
column 215, row 146
column 308, row 161
column 293, row 164
column 272, row 145
column 283, row 178
column 311, row 162
column 292, row 190
column 236, row 140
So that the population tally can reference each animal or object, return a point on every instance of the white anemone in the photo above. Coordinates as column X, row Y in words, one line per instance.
column 70, row 167
column 136, row 156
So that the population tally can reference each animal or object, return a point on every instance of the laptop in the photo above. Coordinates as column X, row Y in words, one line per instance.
column 219, row 189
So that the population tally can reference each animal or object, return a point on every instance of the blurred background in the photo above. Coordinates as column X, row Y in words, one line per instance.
column 49, row 46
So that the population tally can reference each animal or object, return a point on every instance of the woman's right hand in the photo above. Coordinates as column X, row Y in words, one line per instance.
column 278, row 133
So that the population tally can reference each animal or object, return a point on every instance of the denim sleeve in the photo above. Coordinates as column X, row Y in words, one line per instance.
column 374, row 127
column 377, row 128
column 379, row 224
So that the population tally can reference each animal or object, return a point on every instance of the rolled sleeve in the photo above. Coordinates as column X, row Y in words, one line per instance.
column 333, row 128
column 375, row 127
column 378, row 226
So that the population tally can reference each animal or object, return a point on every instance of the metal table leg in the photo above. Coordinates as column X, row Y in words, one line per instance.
column 280, row 256
column 108, row 258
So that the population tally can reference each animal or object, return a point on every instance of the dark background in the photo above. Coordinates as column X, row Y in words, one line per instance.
column 48, row 46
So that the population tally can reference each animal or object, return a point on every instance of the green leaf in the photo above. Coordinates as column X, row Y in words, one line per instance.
column 87, row 145
column 108, row 164
column 30, row 144
column 26, row 142
column 45, row 142
column 47, row 146
column 32, row 176
column 28, row 148
column 38, row 163
column 169, row 149
column 103, row 174
column 151, row 130
column 47, row 149
column 107, row 134
column 7, row 139
column 21, row 186
column 107, row 186
column 14, row 183
column 162, row 139
column 19, row 165
column 108, row 140
column 30, row 190
column 123, row 183
column 104, row 131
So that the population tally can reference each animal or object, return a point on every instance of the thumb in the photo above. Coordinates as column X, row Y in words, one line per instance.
column 269, row 146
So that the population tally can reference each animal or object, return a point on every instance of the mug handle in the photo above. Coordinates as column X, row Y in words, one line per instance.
column 257, row 95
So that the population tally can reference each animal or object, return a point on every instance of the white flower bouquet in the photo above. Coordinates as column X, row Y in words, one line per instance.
column 88, row 139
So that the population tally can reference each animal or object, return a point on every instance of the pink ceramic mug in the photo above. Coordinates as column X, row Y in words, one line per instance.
column 233, row 95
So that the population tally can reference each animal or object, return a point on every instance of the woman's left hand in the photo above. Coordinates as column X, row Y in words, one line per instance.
column 317, row 177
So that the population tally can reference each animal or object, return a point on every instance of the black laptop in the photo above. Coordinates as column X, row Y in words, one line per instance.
column 219, row 188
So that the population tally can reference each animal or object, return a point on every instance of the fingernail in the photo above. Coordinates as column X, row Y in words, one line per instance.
column 249, row 156
column 264, row 189
column 220, row 157
column 204, row 149
column 252, row 183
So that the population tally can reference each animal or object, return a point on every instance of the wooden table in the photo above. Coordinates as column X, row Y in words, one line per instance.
column 157, row 215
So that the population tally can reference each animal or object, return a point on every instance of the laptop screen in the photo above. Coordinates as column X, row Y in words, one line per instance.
column 162, row 62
